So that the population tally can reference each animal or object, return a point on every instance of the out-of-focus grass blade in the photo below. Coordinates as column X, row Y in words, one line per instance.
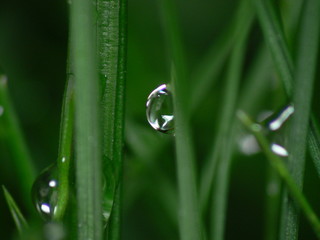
column 208, row 69
column 226, row 137
column 281, row 168
column 306, row 63
column 21, row 161
column 209, row 169
column 189, row 219
column 17, row 216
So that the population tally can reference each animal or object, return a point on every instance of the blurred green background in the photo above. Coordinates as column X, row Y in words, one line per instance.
column 33, row 49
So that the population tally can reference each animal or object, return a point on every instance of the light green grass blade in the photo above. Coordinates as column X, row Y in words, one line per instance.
column 278, row 164
column 227, row 123
column 209, row 169
column 65, row 146
column 17, row 216
column 206, row 73
column 21, row 160
column 189, row 215
column 87, row 131
column 302, row 96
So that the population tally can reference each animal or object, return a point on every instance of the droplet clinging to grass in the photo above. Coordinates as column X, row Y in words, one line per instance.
column 274, row 127
column 160, row 109
column 45, row 192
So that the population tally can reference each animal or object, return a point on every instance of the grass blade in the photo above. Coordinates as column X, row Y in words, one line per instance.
column 210, row 66
column 302, row 96
column 277, row 163
column 21, row 160
column 88, row 148
column 17, row 216
column 65, row 146
column 207, row 177
column 221, row 183
column 115, row 229
column 189, row 219
column 279, row 51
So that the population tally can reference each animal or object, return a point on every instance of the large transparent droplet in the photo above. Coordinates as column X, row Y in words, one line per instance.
column 160, row 109
column 275, row 127
column 45, row 192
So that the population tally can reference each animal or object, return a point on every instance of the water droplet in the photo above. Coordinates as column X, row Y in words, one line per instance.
column 45, row 192
column 274, row 126
column 160, row 109
column 277, row 128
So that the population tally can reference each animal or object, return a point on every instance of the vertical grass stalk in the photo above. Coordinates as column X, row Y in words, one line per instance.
column 189, row 215
column 21, row 160
column 302, row 96
column 88, row 148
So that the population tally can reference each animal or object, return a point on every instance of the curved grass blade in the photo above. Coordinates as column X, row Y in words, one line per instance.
column 209, row 169
column 17, row 216
column 278, row 164
column 87, row 131
column 189, row 219
column 21, row 159
column 227, row 123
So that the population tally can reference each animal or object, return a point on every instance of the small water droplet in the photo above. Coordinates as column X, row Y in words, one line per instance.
column 277, row 128
column 274, row 126
column 160, row 109
column 45, row 192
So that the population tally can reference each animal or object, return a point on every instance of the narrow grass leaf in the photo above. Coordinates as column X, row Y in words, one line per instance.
column 65, row 146
column 221, row 181
column 21, row 160
column 207, row 177
column 278, row 164
column 88, row 148
column 302, row 96
column 17, row 216
column 189, row 215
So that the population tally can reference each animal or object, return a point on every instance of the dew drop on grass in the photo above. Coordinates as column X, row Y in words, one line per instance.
column 45, row 192
column 160, row 109
column 275, row 127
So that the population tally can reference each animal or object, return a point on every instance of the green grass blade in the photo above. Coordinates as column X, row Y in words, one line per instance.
column 279, row 51
column 118, row 155
column 87, row 132
column 21, row 160
column 278, row 164
column 302, row 96
column 275, row 39
column 189, row 219
column 210, row 66
column 108, row 50
column 227, row 123
column 207, row 177
column 17, row 216
column 65, row 146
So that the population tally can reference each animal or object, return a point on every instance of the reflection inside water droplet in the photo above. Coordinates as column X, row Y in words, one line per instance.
column 160, row 109
column 45, row 192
